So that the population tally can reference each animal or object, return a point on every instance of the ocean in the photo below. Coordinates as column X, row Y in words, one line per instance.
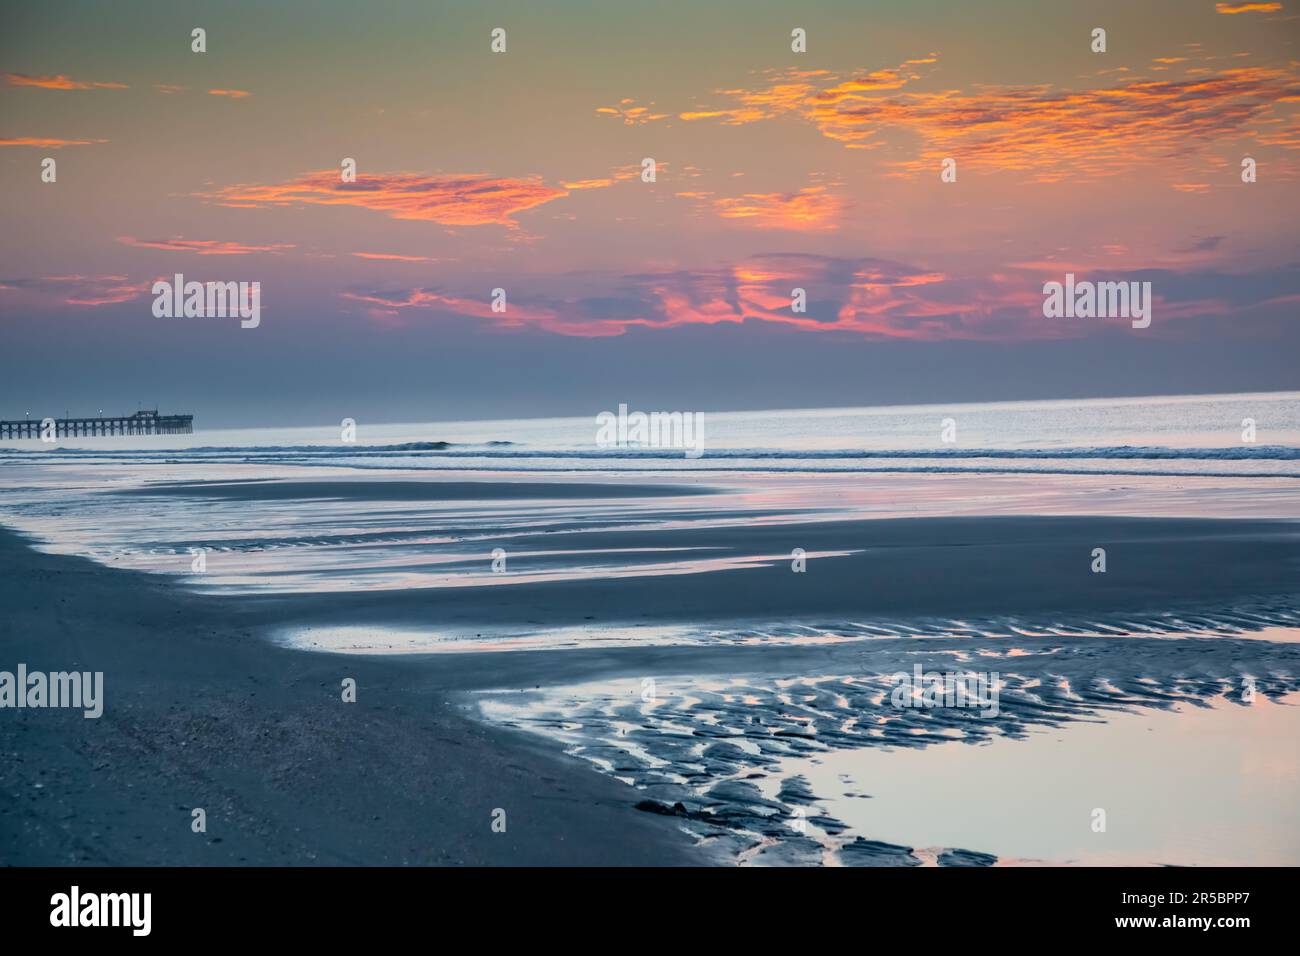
column 1173, row 456
column 1172, row 435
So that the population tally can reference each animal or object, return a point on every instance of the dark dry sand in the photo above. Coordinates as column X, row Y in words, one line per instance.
column 202, row 710
column 200, row 713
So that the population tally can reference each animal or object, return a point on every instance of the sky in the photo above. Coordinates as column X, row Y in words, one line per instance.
column 522, row 170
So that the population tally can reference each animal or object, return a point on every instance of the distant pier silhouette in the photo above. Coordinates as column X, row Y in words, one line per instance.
column 146, row 422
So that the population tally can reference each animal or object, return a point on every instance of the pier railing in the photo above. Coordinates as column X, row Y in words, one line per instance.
column 141, row 423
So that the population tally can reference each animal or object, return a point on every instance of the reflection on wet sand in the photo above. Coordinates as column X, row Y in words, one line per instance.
column 823, row 769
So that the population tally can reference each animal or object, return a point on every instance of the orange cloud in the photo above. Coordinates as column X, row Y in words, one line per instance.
column 1053, row 134
column 1281, row 132
column 619, row 174
column 786, row 94
column 631, row 114
column 1247, row 7
column 202, row 247
column 450, row 200
column 59, row 82
column 233, row 94
column 589, row 184
column 811, row 208
column 48, row 142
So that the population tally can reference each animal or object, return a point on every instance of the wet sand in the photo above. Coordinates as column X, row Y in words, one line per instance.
column 204, row 708
column 913, row 568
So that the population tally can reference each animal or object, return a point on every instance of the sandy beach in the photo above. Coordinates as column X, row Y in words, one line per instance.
column 204, row 713
column 230, row 699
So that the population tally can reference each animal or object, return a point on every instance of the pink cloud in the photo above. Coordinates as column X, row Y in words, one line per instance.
column 82, row 290
column 203, row 247
column 393, row 257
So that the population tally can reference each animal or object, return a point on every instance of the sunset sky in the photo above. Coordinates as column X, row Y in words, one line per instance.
column 521, row 170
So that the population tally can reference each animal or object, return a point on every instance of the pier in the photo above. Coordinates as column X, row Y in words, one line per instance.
column 147, row 422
